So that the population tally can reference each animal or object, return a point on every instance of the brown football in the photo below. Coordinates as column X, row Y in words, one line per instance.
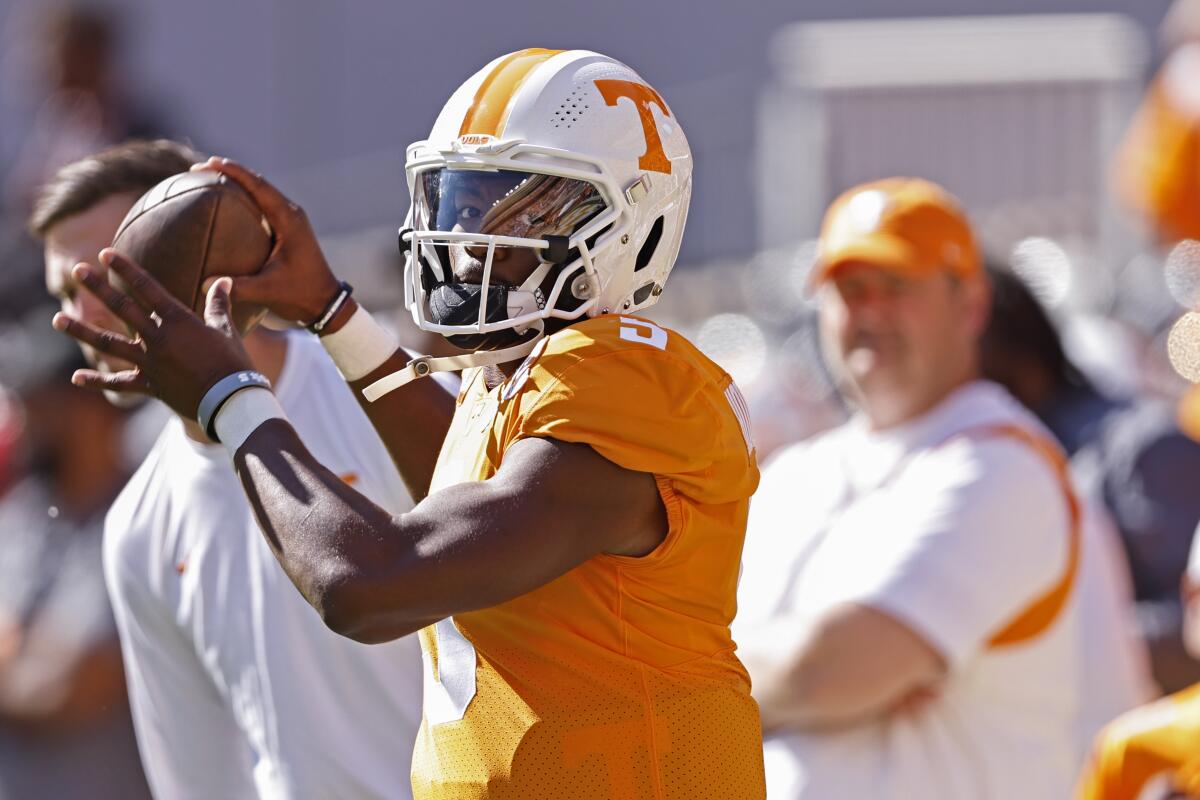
column 194, row 226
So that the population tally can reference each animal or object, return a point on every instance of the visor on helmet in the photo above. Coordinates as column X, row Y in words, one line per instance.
column 483, row 243
column 524, row 205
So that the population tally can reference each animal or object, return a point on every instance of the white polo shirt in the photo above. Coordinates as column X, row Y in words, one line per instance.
column 956, row 536
column 237, row 687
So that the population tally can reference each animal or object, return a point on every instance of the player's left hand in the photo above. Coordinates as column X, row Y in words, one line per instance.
column 176, row 355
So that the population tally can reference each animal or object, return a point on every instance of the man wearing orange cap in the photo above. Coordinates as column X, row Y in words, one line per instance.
column 907, row 607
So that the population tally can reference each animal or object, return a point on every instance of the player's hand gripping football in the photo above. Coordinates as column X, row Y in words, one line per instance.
column 177, row 356
column 296, row 282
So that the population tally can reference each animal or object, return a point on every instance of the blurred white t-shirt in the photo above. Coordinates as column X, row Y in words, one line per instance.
column 956, row 536
column 238, row 688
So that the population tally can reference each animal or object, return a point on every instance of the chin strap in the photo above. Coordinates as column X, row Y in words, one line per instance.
column 427, row 365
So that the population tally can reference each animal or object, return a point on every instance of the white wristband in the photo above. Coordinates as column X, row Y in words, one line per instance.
column 243, row 413
column 360, row 346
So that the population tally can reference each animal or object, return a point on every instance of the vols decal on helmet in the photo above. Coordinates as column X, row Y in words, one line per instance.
column 655, row 158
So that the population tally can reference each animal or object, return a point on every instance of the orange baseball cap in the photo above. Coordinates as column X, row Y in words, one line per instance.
column 1189, row 412
column 909, row 225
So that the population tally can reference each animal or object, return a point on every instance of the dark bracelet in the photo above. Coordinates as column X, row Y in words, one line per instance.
column 221, row 391
column 335, row 305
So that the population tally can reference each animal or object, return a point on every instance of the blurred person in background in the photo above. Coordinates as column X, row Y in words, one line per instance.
column 1128, row 455
column 229, row 669
column 65, row 729
column 1153, row 753
column 87, row 104
column 10, row 438
column 1157, row 168
column 1157, row 177
column 83, row 103
column 907, row 611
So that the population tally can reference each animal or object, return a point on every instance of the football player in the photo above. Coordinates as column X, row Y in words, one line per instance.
column 572, row 562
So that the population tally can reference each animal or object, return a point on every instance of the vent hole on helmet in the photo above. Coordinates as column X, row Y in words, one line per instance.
column 595, row 237
column 570, row 110
column 649, row 246
column 642, row 293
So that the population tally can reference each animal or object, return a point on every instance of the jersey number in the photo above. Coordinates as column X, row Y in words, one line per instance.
column 450, row 687
column 636, row 330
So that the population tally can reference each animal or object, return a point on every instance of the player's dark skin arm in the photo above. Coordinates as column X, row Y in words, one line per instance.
column 374, row 577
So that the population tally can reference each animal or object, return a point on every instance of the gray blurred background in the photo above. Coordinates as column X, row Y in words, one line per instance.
column 785, row 105
column 1016, row 106
column 325, row 95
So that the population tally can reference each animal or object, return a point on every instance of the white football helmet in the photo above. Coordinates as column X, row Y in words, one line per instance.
column 568, row 158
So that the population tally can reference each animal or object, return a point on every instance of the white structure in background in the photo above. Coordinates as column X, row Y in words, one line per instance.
column 1016, row 115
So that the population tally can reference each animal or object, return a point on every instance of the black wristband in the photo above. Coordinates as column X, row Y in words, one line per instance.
column 335, row 305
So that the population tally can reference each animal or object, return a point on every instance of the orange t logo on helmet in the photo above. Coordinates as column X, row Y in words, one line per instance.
column 655, row 158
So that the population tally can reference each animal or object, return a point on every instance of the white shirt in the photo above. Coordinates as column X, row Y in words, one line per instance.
column 237, row 687
column 955, row 536
column 1116, row 674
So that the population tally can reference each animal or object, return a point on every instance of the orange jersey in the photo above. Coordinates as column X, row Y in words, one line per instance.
column 1151, row 753
column 617, row 680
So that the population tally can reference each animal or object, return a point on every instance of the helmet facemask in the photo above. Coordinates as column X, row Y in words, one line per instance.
column 492, row 253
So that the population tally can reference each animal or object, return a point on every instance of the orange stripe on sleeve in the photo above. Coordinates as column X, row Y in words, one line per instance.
column 1039, row 615
column 489, row 112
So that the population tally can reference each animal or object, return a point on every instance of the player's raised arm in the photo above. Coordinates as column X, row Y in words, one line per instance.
column 372, row 576
column 298, row 285
column 473, row 545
